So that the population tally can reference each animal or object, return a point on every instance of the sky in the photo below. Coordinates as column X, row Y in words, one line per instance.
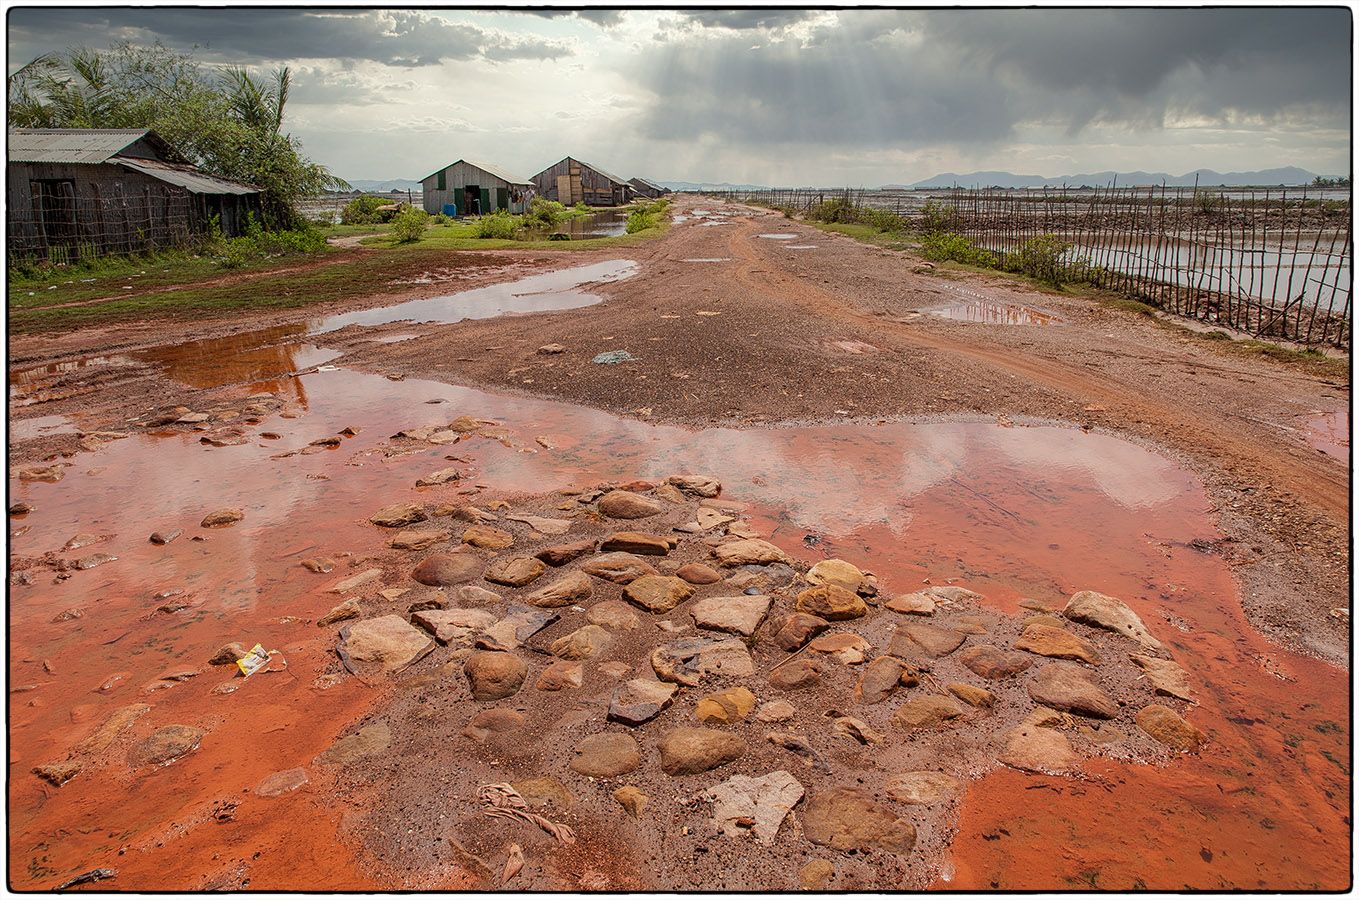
column 786, row 97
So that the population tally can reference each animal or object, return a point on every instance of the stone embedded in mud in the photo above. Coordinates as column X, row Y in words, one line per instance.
column 370, row 740
column 972, row 695
column 1032, row 748
column 94, row 560
column 389, row 641
column 228, row 655
column 348, row 584
column 698, row 485
column 848, row 819
column 632, row 800
column 795, row 675
column 953, row 593
column 928, row 712
column 816, row 875
column 318, row 566
column 1044, row 619
column 165, row 745
column 923, row 788
column 59, row 772
column 697, row 573
column 544, row 791
column 689, row 751
column 515, row 571
column 453, row 626
column 398, row 515
column 1167, row 726
column 227, row 515
column 473, row 595
column 284, row 782
column 574, row 587
column 1068, row 687
column 1102, row 611
column 419, row 539
column 691, row 660
column 520, row 624
column 636, row 542
column 742, row 804
column 725, row 708
column 166, row 536
column 858, row 730
column 490, row 722
column 917, row 604
column 442, row 476
column 798, row 629
column 614, row 615
column 846, row 648
column 878, row 680
column 776, row 711
column 494, row 675
column 349, row 609
column 541, row 524
column 606, row 755
column 561, row 554
column 734, row 615
column 627, row 505
column 51, row 474
column 1057, row 643
column 1166, row 676
column 749, row 552
column 933, row 641
column 446, row 569
column 640, row 700
column 994, row 664
column 561, row 675
column 551, row 349
column 619, row 568
column 970, row 625
column 583, row 643
column 657, row 593
column 487, row 538
column 838, row 572
column 832, row 603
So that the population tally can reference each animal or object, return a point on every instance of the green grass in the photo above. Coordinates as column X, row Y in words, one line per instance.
column 867, row 234
column 463, row 236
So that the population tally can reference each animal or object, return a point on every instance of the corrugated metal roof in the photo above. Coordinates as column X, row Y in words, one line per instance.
column 490, row 170
column 70, row 145
column 646, row 182
column 185, row 176
column 614, row 178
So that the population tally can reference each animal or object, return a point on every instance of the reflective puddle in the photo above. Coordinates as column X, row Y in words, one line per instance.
column 779, row 237
column 990, row 312
column 1329, row 432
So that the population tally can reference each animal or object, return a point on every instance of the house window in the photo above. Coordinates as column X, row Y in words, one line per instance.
column 442, row 183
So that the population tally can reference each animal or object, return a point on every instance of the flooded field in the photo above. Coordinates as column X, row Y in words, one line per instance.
column 599, row 224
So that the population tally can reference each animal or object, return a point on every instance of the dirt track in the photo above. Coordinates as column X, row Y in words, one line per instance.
column 770, row 334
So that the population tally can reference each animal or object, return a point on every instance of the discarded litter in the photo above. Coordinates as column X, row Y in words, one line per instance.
column 253, row 661
column 613, row 358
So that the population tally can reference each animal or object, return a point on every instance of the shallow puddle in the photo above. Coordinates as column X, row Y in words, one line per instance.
column 1329, row 432
column 802, row 246
column 537, row 293
column 990, row 312
column 1014, row 512
column 778, row 237
column 40, row 426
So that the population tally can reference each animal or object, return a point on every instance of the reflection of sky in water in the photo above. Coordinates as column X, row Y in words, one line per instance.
column 833, row 479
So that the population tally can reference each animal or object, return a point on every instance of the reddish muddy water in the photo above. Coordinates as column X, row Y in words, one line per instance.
column 1014, row 512
column 1329, row 432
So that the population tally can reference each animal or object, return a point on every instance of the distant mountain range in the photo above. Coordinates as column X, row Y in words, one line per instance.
column 383, row 187
column 710, row 186
column 1289, row 175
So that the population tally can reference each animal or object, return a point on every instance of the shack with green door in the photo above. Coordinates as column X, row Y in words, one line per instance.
column 470, row 189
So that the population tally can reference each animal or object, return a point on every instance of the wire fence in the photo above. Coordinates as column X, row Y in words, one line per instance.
column 1273, row 263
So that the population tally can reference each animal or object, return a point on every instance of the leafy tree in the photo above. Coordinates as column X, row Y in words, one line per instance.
column 228, row 122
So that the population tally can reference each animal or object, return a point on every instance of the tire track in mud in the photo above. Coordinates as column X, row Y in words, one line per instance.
column 1190, row 431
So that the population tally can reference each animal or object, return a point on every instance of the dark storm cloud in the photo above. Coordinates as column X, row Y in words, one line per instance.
column 746, row 19
column 397, row 37
column 914, row 78
column 604, row 18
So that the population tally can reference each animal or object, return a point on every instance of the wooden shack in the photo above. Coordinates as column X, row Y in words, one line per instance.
column 465, row 188
column 572, row 181
column 644, row 187
column 79, row 192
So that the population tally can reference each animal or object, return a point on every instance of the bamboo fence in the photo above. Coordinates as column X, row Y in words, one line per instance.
column 1274, row 263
